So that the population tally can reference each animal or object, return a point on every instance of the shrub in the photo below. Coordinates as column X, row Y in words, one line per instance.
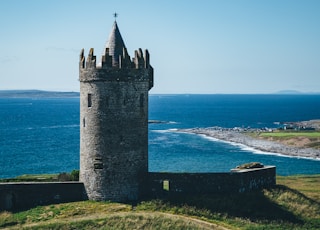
column 74, row 175
column 64, row 177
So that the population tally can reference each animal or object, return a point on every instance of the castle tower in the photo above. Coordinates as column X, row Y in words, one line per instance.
column 114, row 121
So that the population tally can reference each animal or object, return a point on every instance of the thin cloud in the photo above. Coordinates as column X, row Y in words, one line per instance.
column 61, row 49
column 8, row 59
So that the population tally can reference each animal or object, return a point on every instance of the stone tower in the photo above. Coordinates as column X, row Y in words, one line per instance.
column 114, row 121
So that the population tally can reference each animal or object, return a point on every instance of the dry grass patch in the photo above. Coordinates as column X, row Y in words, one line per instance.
column 298, row 139
column 309, row 185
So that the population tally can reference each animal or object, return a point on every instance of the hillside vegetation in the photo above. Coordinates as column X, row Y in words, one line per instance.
column 293, row 204
column 302, row 139
column 72, row 176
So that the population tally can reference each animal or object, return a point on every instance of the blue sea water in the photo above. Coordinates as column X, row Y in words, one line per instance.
column 42, row 135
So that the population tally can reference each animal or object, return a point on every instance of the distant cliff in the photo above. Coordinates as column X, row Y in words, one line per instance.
column 36, row 94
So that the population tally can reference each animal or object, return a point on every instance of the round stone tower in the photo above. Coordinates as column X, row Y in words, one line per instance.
column 114, row 121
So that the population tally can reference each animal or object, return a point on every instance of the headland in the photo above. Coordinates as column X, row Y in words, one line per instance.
column 37, row 94
column 296, row 146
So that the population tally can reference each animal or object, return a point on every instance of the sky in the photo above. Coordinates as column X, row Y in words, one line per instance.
column 195, row 46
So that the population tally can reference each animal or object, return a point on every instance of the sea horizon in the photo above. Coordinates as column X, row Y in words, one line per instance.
column 16, row 93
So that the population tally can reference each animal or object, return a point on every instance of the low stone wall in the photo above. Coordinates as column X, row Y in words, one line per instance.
column 208, row 183
column 22, row 196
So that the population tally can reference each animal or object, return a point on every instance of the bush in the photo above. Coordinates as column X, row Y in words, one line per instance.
column 73, row 176
column 64, row 177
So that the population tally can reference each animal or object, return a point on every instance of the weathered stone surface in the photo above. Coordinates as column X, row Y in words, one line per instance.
column 114, row 122
column 21, row 196
column 212, row 183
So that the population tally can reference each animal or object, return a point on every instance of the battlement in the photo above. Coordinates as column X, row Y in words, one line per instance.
column 123, row 70
column 140, row 60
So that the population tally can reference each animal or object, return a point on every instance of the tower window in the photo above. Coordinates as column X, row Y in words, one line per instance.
column 141, row 100
column 89, row 100
column 84, row 122
column 107, row 101
column 98, row 164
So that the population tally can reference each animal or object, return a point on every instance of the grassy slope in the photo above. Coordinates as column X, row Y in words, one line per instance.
column 291, row 134
column 308, row 185
column 310, row 139
column 292, row 204
column 33, row 178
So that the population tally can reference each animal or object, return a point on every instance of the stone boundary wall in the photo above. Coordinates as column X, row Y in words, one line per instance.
column 22, row 196
column 208, row 183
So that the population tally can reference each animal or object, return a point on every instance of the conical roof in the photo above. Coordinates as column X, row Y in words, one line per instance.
column 115, row 44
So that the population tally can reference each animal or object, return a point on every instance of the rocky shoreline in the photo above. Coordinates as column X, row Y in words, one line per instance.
column 238, row 136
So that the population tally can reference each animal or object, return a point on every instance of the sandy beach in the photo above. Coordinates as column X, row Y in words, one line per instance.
column 237, row 136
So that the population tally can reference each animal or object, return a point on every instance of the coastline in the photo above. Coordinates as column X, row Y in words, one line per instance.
column 238, row 137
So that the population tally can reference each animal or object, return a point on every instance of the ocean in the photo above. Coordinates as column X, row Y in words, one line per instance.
column 41, row 135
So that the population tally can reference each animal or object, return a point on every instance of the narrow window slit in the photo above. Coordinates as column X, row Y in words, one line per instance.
column 141, row 100
column 89, row 100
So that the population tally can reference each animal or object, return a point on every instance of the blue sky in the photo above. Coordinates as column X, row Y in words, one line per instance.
column 207, row 46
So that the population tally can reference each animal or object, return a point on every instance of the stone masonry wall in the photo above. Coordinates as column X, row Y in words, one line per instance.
column 114, row 126
column 22, row 196
column 114, row 139
column 208, row 183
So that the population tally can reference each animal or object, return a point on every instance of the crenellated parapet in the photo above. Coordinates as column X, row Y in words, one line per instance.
column 125, row 69
column 140, row 60
column 91, row 60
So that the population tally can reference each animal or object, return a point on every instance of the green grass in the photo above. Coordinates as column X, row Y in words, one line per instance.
column 291, row 137
column 293, row 204
column 290, row 134
column 309, row 185
column 166, row 185
column 72, row 176
column 33, row 178
column 127, row 221
column 95, row 215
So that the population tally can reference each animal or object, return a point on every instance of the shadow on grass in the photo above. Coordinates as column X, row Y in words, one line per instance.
column 254, row 206
column 283, row 188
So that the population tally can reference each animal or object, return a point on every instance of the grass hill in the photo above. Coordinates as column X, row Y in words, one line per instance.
column 294, row 203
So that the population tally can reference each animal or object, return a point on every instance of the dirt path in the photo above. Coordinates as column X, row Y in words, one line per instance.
column 201, row 223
